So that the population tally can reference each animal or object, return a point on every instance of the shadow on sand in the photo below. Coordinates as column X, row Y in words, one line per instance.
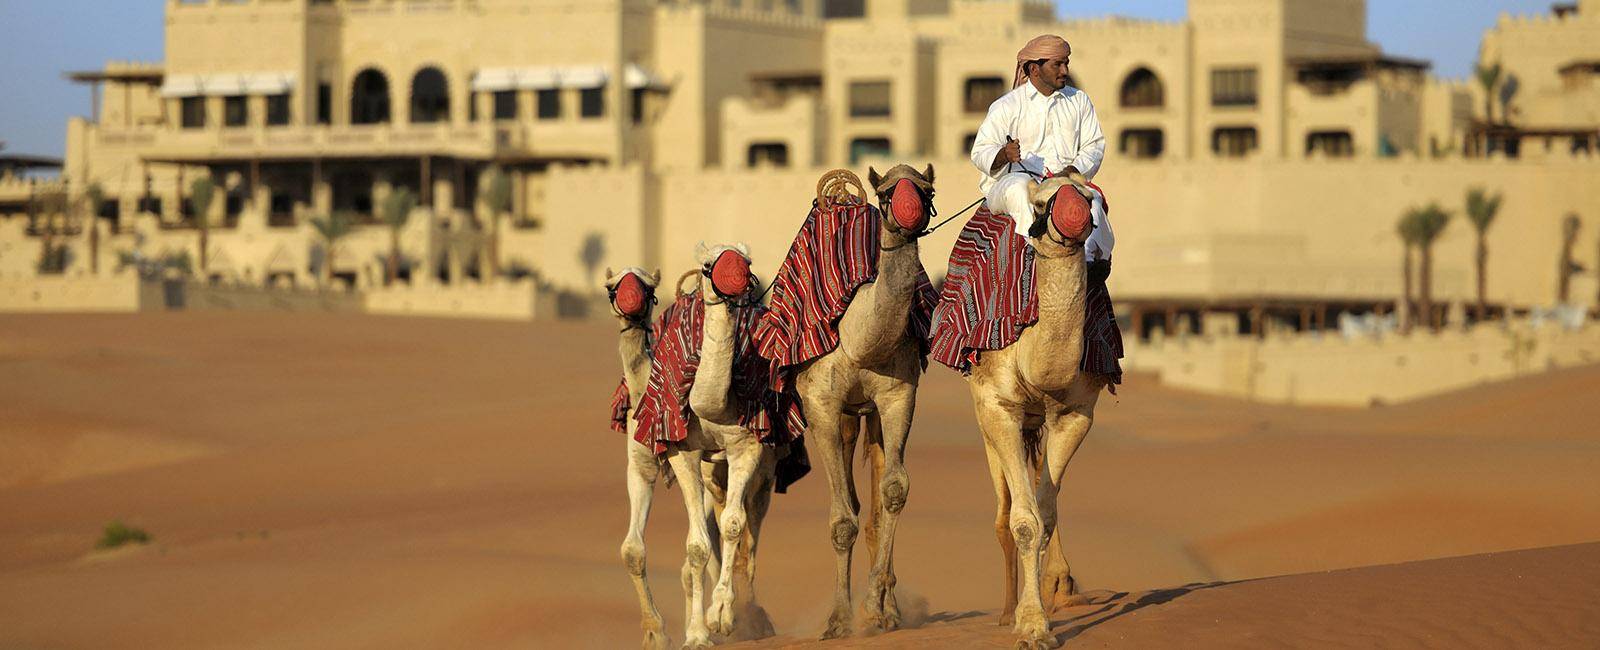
column 1110, row 605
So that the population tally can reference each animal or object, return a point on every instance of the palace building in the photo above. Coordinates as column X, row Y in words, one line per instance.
column 1259, row 151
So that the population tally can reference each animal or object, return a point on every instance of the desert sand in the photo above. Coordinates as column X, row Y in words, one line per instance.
column 337, row 481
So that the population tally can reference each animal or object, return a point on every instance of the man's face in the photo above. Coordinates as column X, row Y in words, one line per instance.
column 1052, row 74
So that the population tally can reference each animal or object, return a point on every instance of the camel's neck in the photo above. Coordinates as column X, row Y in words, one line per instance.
column 635, row 352
column 1055, row 346
column 714, row 378
column 877, row 332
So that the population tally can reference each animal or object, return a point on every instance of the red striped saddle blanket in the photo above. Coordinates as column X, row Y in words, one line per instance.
column 833, row 255
column 989, row 298
column 663, row 412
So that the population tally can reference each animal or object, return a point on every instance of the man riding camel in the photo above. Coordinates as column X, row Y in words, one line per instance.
column 1042, row 128
column 1045, row 127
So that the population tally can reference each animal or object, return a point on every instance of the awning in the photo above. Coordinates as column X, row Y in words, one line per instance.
column 259, row 83
column 635, row 76
column 495, row 79
column 584, row 77
column 181, row 85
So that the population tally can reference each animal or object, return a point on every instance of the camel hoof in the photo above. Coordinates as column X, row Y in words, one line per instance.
column 697, row 644
column 1007, row 619
column 1035, row 644
column 720, row 617
column 1033, row 633
column 655, row 640
column 838, row 627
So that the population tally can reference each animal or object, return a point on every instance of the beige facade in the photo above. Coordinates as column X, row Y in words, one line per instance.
column 1259, row 152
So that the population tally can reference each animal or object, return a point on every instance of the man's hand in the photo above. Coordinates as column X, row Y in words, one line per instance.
column 1010, row 153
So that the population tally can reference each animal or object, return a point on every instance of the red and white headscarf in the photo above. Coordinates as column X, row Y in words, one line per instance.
column 1048, row 46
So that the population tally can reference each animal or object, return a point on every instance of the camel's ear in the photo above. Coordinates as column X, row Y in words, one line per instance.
column 655, row 280
column 609, row 274
column 872, row 177
column 929, row 174
column 701, row 253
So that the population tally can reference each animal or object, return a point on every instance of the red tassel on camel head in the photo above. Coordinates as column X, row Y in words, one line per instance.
column 906, row 206
column 1070, row 213
column 730, row 274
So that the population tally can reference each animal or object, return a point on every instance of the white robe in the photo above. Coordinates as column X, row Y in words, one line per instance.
column 1054, row 132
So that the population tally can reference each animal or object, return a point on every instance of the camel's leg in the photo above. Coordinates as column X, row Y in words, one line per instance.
column 1002, row 429
column 872, row 456
column 826, row 442
column 686, row 465
column 642, row 473
column 890, row 430
column 714, row 477
column 1063, row 433
column 754, row 622
column 1002, row 532
column 744, row 459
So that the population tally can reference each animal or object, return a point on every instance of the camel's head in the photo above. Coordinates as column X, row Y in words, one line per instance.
column 1061, row 210
column 906, row 196
column 633, row 293
column 727, row 267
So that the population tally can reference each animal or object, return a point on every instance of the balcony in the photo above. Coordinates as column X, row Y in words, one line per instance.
column 482, row 141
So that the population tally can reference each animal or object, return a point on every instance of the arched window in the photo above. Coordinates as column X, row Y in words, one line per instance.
column 1142, row 89
column 369, row 98
column 430, row 96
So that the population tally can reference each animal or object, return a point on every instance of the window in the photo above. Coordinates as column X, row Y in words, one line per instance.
column 1143, row 89
column 193, row 112
column 149, row 204
column 281, row 209
column 352, row 192
column 369, row 102
column 324, row 103
column 235, row 110
column 1143, row 143
column 968, row 142
column 430, row 97
column 278, row 110
column 869, row 148
column 1233, row 87
column 505, row 104
column 869, row 99
column 1332, row 144
column 592, row 102
column 549, row 104
column 110, row 208
column 1233, row 142
column 472, row 107
column 637, row 105
column 981, row 92
column 768, row 154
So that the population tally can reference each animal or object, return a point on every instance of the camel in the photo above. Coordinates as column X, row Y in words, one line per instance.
column 872, row 374
column 743, row 491
column 1034, row 405
column 632, row 300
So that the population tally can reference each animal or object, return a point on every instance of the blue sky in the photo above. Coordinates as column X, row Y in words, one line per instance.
column 40, row 39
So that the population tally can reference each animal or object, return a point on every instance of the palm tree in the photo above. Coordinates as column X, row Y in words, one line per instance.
column 1428, row 223
column 1410, row 234
column 201, row 192
column 1481, row 211
column 1489, row 78
column 1569, row 238
column 94, row 197
column 331, row 229
column 497, row 195
column 396, row 212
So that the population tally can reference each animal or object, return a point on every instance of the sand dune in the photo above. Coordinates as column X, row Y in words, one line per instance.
column 318, row 481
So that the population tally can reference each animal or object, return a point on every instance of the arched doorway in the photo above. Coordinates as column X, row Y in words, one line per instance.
column 369, row 98
column 430, row 96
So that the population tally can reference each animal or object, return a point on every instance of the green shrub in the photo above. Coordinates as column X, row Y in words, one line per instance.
column 118, row 534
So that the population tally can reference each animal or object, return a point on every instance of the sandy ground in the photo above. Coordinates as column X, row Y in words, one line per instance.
column 320, row 481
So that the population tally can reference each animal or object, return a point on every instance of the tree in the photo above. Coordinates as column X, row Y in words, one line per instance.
column 1410, row 234
column 95, row 198
column 497, row 196
column 1426, row 224
column 1569, row 238
column 331, row 228
column 1489, row 78
column 1482, row 208
column 201, row 192
column 396, row 212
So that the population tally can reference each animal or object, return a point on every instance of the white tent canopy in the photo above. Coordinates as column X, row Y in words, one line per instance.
column 549, row 77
